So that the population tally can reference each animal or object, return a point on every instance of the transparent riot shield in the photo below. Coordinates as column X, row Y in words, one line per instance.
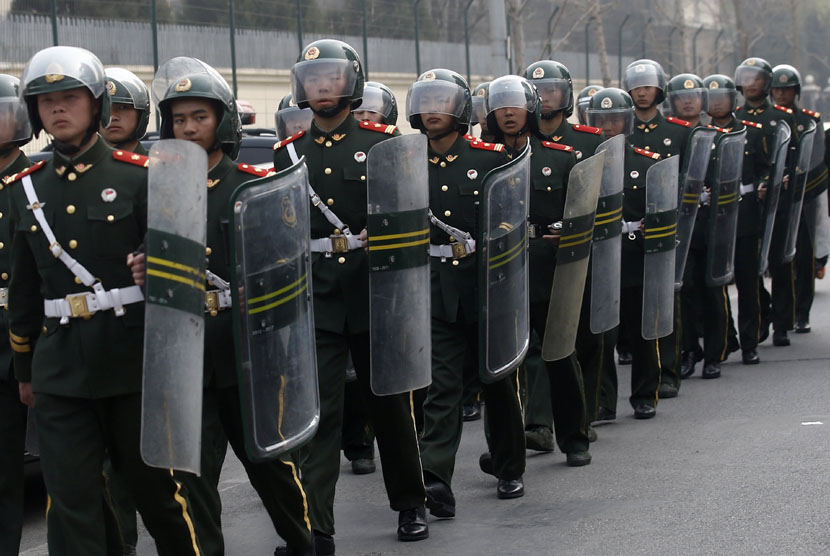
column 504, row 320
column 606, row 250
column 811, row 213
column 723, row 209
column 822, row 227
column 798, row 170
column 174, row 343
column 779, row 163
column 698, row 155
column 397, row 192
column 272, row 312
column 659, row 245
column 572, row 258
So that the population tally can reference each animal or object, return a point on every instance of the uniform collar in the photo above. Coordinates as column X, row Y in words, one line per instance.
column 66, row 166
column 649, row 126
column 347, row 126
column 758, row 109
column 222, row 168
column 559, row 132
column 450, row 156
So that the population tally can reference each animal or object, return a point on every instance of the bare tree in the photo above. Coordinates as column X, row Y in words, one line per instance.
column 515, row 9
column 596, row 19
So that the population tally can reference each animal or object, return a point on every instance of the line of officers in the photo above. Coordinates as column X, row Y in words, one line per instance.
column 75, row 226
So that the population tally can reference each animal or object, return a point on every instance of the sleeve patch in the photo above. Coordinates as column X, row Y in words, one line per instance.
column 678, row 121
column 380, row 128
column 756, row 125
column 648, row 154
column 557, row 146
column 587, row 129
column 477, row 144
column 31, row 169
column 131, row 158
column 279, row 144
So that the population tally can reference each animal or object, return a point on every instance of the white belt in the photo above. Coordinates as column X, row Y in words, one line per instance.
column 749, row 188
column 457, row 250
column 86, row 304
column 336, row 244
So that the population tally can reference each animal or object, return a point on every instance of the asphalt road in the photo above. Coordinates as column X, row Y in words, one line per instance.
column 737, row 466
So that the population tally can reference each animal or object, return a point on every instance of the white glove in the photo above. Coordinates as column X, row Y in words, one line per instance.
column 704, row 197
column 630, row 227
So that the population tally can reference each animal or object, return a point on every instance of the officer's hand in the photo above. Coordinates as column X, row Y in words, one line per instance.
column 364, row 237
column 26, row 396
column 786, row 181
column 138, row 266
column 556, row 233
column 762, row 190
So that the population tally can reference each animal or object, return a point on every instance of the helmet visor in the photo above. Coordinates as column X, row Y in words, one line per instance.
column 376, row 100
column 125, row 87
column 176, row 75
column 613, row 121
column 643, row 75
column 510, row 92
column 292, row 120
column 688, row 103
column 56, row 63
column 479, row 114
column 14, row 120
column 555, row 94
column 323, row 79
column 752, row 81
column 721, row 101
column 436, row 97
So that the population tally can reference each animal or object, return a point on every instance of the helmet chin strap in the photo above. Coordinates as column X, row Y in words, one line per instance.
column 439, row 136
column 333, row 110
column 549, row 115
column 68, row 149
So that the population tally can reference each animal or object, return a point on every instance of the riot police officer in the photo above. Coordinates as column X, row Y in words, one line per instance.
column 378, row 106
column 478, row 114
column 290, row 119
column 583, row 99
column 130, row 111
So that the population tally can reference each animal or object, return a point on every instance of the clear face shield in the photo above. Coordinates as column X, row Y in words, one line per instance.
column 510, row 92
column 376, row 100
column 323, row 79
column 753, row 81
column 179, row 73
column 612, row 121
column 14, row 120
column 643, row 75
column 435, row 97
column 722, row 102
column 688, row 103
column 292, row 120
column 554, row 94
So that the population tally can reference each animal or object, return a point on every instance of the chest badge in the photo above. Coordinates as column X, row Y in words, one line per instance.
column 667, row 141
column 800, row 128
column 472, row 174
column 546, row 171
column 634, row 174
column 237, row 207
column 108, row 195
column 773, row 123
column 578, row 155
column 360, row 156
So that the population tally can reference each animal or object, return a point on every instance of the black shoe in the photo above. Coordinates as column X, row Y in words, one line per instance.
column 470, row 413
column 539, row 439
column 412, row 525
column 578, row 458
column 513, row 488
column 290, row 551
column 667, row 391
column 779, row 338
column 644, row 411
column 750, row 357
column 485, row 463
column 592, row 434
column 605, row 414
column 624, row 358
column 440, row 500
column 688, row 360
column 323, row 544
column 363, row 466
column 802, row 327
column 710, row 370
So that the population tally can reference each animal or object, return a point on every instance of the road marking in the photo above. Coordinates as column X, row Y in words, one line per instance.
column 807, row 423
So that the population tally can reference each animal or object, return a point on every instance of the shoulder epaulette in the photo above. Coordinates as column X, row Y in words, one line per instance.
column 738, row 109
column 716, row 128
column 250, row 169
column 557, row 146
column 783, row 109
column 678, row 121
column 477, row 144
column 33, row 168
column 287, row 140
column 587, row 129
column 380, row 128
column 649, row 154
column 131, row 158
column 468, row 137
column 756, row 125
column 811, row 113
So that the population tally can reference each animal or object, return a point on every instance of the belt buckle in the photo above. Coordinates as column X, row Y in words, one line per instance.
column 531, row 230
column 459, row 250
column 212, row 302
column 339, row 244
column 78, row 306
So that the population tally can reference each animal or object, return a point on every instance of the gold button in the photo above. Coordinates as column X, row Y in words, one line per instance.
column 4, row 276
column 2, row 245
column 362, row 178
column 475, row 192
column 70, row 209
column 208, row 250
column 337, row 231
column 443, row 164
column 78, row 280
column 341, row 260
column 72, row 176
column 548, row 188
column 444, row 188
column 455, row 262
column 73, row 244
column 34, row 227
column 330, row 202
column 45, row 330
column 328, row 143
column 1, row 215
column 213, row 312
column 635, row 187
column 110, row 218
column 327, row 171
column 447, row 213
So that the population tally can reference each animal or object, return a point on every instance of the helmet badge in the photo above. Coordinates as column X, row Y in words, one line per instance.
column 784, row 78
column 639, row 68
column 606, row 103
column 480, row 93
column 183, row 85
column 429, row 76
column 538, row 73
column 592, row 92
column 688, row 84
column 54, row 73
column 713, row 85
column 111, row 88
column 750, row 62
column 312, row 53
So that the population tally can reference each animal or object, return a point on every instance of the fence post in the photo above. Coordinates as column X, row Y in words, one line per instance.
column 549, row 47
column 154, row 27
column 299, row 25
column 694, row 49
column 365, row 42
column 55, row 22
column 467, row 38
column 645, row 32
column 232, row 22
column 588, row 52
column 417, row 38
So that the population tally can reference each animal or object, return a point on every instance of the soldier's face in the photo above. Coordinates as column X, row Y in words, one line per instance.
column 753, row 84
column 511, row 120
column 644, row 97
column 437, row 123
column 785, row 96
column 611, row 124
column 124, row 120
column 66, row 115
column 688, row 105
column 720, row 106
column 551, row 98
column 324, row 86
column 194, row 119
column 368, row 116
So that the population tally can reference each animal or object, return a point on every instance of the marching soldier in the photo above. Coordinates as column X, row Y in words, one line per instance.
column 290, row 119
column 328, row 78
column 479, row 115
column 196, row 104
column 722, row 103
column 583, row 99
column 753, row 79
column 378, row 106
column 438, row 105
column 130, row 111
column 786, row 87
column 15, row 131
column 75, row 307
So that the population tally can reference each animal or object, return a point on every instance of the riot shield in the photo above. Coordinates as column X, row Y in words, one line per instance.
column 811, row 211
column 779, row 163
column 397, row 192
column 798, row 170
column 30, row 442
column 822, row 227
column 723, row 209
column 606, row 250
column 572, row 258
column 698, row 155
column 174, row 342
column 659, row 246
column 273, row 320
column 504, row 320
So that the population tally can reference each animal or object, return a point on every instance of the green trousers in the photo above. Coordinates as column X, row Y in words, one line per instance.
column 645, row 365
column 12, row 435
column 711, row 303
column 670, row 348
column 805, row 272
column 608, row 388
column 747, row 255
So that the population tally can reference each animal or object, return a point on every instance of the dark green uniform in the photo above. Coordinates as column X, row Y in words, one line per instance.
column 86, row 373
column 12, row 412
column 455, row 180
column 336, row 162
column 645, row 366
